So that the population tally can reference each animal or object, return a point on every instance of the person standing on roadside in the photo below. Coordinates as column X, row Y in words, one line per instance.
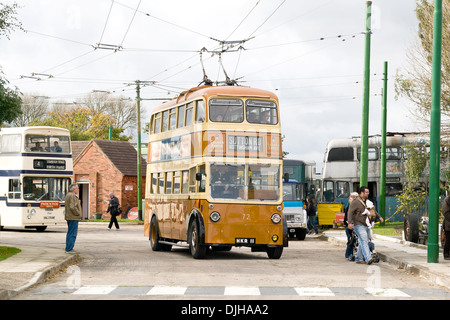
column 446, row 223
column 113, row 209
column 357, row 223
column 72, row 215
column 311, row 213
column 348, row 232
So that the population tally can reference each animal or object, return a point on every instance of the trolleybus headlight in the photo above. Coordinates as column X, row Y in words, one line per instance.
column 214, row 216
column 33, row 211
column 275, row 238
column 276, row 218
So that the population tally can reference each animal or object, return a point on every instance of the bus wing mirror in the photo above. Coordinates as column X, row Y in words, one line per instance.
column 286, row 177
column 198, row 176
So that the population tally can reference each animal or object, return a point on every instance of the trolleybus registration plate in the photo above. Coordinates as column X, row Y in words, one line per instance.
column 244, row 241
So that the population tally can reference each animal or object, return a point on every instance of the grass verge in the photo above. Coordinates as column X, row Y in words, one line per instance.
column 6, row 252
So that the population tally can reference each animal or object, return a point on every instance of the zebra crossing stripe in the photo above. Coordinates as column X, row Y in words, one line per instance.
column 314, row 292
column 242, row 291
column 95, row 290
column 167, row 290
column 387, row 293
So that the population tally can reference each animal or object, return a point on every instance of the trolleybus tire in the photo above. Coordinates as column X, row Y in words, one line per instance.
column 274, row 252
column 197, row 249
column 411, row 227
column 154, row 235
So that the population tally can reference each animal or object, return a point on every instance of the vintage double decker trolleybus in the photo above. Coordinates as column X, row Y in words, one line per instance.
column 35, row 172
column 214, row 172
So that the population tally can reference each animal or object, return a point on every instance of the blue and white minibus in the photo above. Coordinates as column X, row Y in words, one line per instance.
column 298, row 178
column 36, row 170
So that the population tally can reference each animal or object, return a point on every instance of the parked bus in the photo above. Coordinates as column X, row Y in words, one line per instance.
column 36, row 170
column 298, row 182
column 341, row 169
column 214, row 172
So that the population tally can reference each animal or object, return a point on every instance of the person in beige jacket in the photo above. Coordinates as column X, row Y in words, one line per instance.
column 72, row 216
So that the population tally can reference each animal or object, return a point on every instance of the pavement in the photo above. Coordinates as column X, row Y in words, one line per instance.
column 35, row 265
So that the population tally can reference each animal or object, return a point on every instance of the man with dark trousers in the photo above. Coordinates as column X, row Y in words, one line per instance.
column 72, row 215
column 113, row 209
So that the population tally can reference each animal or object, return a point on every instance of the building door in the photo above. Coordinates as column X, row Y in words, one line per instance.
column 84, row 199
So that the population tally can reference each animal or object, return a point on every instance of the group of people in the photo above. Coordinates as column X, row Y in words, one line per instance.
column 73, row 214
column 359, row 218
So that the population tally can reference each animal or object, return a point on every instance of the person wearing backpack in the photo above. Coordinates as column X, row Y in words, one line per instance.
column 113, row 209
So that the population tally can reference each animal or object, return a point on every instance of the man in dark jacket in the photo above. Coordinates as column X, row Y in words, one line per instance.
column 446, row 223
column 311, row 213
column 72, row 215
column 113, row 209
column 357, row 223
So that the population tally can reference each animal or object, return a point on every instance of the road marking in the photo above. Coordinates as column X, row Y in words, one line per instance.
column 95, row 290
column 314, row 292
column 167, row 290
column 242, row 291
column 247, row 291
column 387, row 293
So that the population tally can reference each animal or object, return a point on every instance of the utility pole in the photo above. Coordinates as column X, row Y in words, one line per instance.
column 365, row 111
column 139, row 153
column 139, row 157
column 383, row 146
column 435, row 133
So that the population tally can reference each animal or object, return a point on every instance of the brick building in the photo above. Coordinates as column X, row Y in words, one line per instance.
column 102, row 166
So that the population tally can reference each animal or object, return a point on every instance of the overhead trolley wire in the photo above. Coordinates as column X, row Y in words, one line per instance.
column 106, row 22
column 276, row 9
column 131, row 22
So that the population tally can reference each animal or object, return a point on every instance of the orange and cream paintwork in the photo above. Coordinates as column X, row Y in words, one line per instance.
column 205, row 133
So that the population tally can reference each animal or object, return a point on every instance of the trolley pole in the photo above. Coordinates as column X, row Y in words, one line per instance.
column 365, row 111
column 383, row 147
column 435, row 132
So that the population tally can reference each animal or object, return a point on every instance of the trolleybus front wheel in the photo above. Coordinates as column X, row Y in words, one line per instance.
column 198, row 250
column 274, row 252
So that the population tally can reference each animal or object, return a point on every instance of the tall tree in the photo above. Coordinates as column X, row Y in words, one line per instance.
column 414, row 80
column 34, row 106
column 9, row 98
column 83, row 124
column 119, row 108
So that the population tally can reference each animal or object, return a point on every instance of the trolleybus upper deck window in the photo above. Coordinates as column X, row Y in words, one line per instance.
column 260, row 111
column 340, row 154
column 226, row 110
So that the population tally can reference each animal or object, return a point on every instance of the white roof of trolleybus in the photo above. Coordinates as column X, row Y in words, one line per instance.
column 34, row 129
column 392, row 139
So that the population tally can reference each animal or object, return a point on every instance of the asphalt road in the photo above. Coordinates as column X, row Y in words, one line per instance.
column 121, row 265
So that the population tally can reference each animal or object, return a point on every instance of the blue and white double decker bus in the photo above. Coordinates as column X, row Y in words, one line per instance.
column 298, row 180
column 36, row 170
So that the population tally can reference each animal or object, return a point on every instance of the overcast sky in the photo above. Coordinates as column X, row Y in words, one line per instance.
column 318, row 82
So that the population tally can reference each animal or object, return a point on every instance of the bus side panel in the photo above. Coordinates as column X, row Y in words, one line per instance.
column 11, row 217
column 171, row 215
